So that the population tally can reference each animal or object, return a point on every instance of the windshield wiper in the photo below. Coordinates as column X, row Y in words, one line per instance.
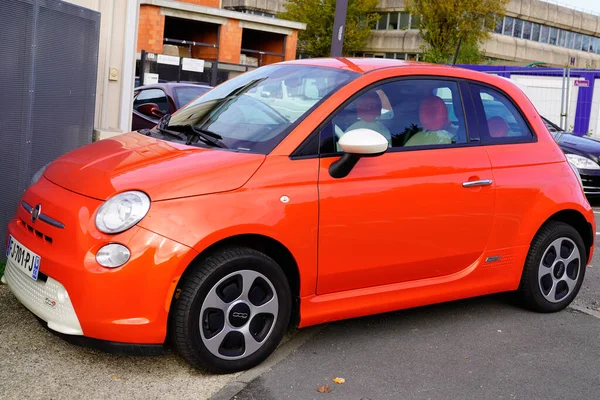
column 206, row 136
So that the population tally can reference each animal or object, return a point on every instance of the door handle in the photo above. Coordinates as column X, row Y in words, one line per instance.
column 482, row 182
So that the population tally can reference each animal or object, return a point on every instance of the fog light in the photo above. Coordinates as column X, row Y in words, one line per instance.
column 113, row 255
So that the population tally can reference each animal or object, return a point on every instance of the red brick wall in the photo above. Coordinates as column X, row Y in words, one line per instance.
column 230, row 42
column 290, row 46
column 273, row 45
column 209, row 3
column 207, row 53
column 151, row 29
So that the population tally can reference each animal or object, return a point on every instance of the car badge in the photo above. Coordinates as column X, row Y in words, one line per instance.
column 35, row 213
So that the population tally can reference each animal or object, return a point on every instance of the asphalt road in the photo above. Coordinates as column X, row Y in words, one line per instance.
column 482, row 348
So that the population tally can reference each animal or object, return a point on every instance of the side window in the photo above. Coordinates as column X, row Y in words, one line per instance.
column 156, row 96
column 501, row 121
column 408, row 113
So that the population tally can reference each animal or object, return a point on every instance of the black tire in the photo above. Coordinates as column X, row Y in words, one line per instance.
column 199, row 282
column 530, row 293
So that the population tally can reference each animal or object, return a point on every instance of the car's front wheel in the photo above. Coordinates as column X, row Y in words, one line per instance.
column 554, row 269
column 232, row 310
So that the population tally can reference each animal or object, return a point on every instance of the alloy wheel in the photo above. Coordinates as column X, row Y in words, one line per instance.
column 559, row 269
column 238, row 314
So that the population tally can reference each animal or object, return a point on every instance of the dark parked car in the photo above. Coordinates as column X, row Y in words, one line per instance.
column 151, row 102
column 583, row 152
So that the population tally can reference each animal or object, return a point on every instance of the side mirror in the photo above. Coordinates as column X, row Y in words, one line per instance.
column 150, row 110
column 355, row 144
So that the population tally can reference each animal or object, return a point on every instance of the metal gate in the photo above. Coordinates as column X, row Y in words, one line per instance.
column 48, row 66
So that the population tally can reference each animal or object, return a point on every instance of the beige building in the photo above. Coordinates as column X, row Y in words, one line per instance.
column 532, row 31
column 116, row 63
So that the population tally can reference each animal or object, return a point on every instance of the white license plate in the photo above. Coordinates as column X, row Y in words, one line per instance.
column 23, row 258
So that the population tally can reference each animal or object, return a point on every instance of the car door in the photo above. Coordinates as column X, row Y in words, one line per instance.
column 145, row 96
column 421, row 210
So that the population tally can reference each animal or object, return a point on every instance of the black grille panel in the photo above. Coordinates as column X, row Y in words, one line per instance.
column 34, row 232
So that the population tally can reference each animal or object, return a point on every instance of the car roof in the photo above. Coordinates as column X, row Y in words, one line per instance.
column 360, row 65
column 164, row 85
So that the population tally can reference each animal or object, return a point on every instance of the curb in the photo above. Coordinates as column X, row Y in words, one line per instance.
column 585, row 310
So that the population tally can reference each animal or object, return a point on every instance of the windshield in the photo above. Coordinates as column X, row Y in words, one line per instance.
column 185, row 94
column 255, row 111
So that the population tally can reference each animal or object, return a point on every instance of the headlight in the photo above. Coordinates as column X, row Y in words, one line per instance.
column 122, row 211
column 582, row 162
column 36, row 177
column 113, row 255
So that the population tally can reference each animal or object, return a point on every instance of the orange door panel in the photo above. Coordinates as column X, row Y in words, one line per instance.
column 403, row 216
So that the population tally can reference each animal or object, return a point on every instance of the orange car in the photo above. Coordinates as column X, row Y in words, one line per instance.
column 301, row 193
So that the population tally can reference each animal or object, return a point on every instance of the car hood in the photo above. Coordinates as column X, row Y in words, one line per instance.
column 580, row 145
column 164, row 170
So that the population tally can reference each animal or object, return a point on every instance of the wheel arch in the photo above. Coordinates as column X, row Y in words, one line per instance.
column 577, row 221
column 264, row 244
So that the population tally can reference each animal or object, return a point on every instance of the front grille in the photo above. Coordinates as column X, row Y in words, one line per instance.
column 591, row 183
column 34, row 232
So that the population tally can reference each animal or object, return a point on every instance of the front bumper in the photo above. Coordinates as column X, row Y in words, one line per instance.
column 591, row 181
column 76, row 296
column 46, row 298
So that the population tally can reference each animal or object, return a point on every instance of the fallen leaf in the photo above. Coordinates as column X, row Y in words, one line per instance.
column 466, row 357
column 116, row 377
column 339, row 381
column 324, row 389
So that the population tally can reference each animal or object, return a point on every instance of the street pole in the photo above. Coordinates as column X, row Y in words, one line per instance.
column 339, row 23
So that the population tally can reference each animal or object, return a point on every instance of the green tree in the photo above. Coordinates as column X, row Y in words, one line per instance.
column 318, row 15
column 445, row 22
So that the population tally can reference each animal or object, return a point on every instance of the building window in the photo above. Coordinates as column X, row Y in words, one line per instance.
column 569, row 40
column 404, row 20
column 578, row 41
column 382, row 22
column 415, row 22
column 586, row 43
column 526, row 30
column 518, row 28
column 553, row 36
column 561, row 37
column 535, row 32
column 544, row 34
column 508, row 25
column 393, row 22
column 499, row 24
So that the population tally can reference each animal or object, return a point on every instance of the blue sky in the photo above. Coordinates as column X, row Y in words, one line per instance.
column 592, row 5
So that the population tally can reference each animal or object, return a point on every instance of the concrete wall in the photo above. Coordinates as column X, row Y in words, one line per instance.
column 116, row 63
column 269, row 6
column 523, row 51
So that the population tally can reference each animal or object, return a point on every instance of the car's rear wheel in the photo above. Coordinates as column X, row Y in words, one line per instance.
column 554, row 269
column 232, row 310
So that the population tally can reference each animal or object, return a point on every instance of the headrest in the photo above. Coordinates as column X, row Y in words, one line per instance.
column 368, row 106
column 498, row 127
